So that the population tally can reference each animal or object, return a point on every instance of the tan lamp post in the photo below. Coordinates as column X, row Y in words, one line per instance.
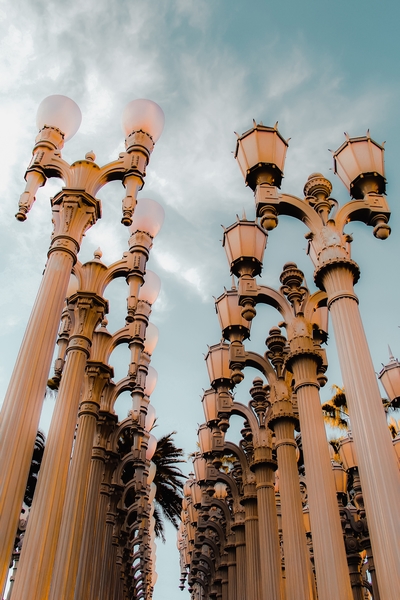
column 306, row 361
column 359, row 163
column 390, row 379
column 75, row 209
column 281, row 417
column 235, row 542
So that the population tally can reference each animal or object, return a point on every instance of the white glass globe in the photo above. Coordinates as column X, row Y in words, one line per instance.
column 151, row 287
column 150, row 417
column 148, row 216
column 151, row 381
column 151, row 339
column 60, row 112
column 152, row 473
column 143, row 115
column 151, row 447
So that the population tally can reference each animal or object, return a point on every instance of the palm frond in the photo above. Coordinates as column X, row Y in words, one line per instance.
column 168, row 479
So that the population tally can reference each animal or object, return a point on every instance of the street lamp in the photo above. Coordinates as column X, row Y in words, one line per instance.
column 75, row 208
column 359, row 162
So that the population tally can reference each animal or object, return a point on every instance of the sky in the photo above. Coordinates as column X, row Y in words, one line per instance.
column 319, row 68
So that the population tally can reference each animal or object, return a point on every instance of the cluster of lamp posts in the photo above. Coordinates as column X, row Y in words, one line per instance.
column 271, row 517
column 90, row 532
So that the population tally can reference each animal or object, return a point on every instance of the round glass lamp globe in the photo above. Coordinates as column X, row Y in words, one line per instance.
column 151, row 381
column 151, row 287
column 153, row 487
column 60, row 112
column 150, row 417
column 151, row 447
column 148, row 216
column 144, row 115
column 152, row 473
column 151, row 339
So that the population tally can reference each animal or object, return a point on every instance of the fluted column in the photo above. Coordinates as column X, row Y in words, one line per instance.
column 22, row 406
column 97, row 499
column 232, row 574
column 300, row 583
column 71, row 530
column 224, row 578
column 379, row 473
column 40, row 544
column 249, row 502
column 270, row 556
column 240, row 545
column 107, row 567
column 103, row 532
column 329, row 551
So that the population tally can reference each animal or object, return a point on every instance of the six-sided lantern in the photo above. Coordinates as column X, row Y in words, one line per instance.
column 261, row 153
column 230, row 316
column 244, row 244
column 359, row 163
column 390, row 379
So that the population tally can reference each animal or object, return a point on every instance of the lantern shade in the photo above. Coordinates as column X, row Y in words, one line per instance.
column 192, row 512
column 210, row 405
column 153, row 490
column 196, row 494
column 143, row 115
column 340, row 477
column 60, row 112
column 152, row 473
column 230, row 315
column 151, row 381
column 200, row 467
column 148, row 217
column 356, row 158
column 151, row 447
column 390, row 379
column 348, row 453
column 220, row 490
column 151, row 287
column 205, row 439
column 217, row 361
column 151, row 339
column 244, row 244
column 187, row 487
column 306, row 519
column 150, row 417
column 261, row 153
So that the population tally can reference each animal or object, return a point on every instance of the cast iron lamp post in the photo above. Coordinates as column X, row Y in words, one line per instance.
column 302, row 316
column 359, row 163
column 74, row 209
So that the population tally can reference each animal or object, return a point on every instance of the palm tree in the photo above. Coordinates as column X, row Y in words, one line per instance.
column 335, row 411
column 169, row 481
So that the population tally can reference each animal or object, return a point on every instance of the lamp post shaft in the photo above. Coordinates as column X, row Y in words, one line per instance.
column 252, row 546
column 40, row 544
column 232, row 576
column 269, row 549
column 24, row 398
column 376, row 458
column 240, row 543
column 96, row 503
column 324, row 513
column 71, row 529
column 300, row 584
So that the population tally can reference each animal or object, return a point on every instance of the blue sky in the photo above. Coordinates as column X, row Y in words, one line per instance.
column 319, row 68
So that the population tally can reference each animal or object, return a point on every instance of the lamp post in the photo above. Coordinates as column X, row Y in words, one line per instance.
column 305, row 359
column 359, row 163
column 75, row 209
